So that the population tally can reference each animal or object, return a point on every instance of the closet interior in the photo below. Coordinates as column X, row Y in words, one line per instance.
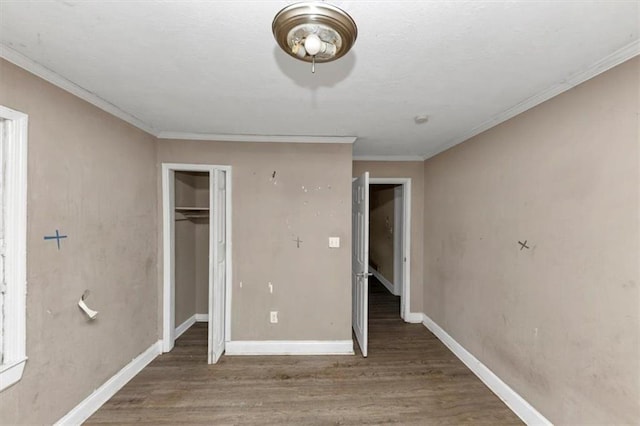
column 191, row 248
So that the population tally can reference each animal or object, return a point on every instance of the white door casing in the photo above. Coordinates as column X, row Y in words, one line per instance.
column 360, row 260
column 404, row 254
column 222, row 304
column 217, row 265
column 170, row 229
column 3, row 284
column 13, row 338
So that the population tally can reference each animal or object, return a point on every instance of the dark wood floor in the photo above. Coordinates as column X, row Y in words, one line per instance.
column 410, row 377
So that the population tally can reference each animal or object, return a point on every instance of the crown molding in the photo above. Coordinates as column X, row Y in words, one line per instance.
column 56, row 79
column 388, row 158
column 216, row 137
column 616, row 58
column 619, row 56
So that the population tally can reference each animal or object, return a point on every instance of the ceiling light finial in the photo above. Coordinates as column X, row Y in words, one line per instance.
column 314, row 32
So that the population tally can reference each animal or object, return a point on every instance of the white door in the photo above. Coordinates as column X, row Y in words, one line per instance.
column 217, row 263
column 360, row 259
column 3, row 285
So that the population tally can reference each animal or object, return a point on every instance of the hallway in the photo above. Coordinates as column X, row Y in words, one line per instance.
column 410, row 377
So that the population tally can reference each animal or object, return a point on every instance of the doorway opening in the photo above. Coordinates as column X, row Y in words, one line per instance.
column 191, row 241
column 385, row 235
column 197, row 253
column 381, row 228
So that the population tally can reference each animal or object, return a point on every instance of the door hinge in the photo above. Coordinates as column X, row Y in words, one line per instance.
column 3, row 288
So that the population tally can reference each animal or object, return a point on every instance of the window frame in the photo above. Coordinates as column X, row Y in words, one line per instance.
column 15, row 234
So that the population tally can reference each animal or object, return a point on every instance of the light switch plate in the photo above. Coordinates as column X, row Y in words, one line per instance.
column 334, row 242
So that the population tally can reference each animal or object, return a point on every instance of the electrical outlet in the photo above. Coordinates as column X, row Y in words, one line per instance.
column 274, row 317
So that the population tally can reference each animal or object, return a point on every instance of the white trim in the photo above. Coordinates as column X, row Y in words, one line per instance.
column 229, row 260
column 616, row 58
column 214, row 216
column 398, row 222
column 216, row 137
column 15, row 234
column 185, row 326
column 56, row 79
column 388, row 158
column 168, row 249
column 11, row 373
column 290, row 347
column 388, row 181
column 405, row 286
column 619, row 56
column 168, row 275
column 93, row 402
column 511, row 398
column 385, row 282
column 414, row 317
column 189, row 322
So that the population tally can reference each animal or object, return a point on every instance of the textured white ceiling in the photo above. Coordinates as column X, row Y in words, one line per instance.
column 214, row 67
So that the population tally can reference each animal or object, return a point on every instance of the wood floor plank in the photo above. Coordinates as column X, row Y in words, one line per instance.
column 409, row 378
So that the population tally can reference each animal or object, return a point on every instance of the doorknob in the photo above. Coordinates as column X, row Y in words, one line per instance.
column 364, row 274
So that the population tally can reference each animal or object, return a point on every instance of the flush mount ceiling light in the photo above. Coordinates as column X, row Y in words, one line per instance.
column 314, row 32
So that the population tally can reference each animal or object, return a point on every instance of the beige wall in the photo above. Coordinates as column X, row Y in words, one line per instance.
column 310, row 198
column 415, row 171
column 90, row 176
column 191, row 247
column 185, row 249
column 185, row 290
column 185, row 190
column 202, row 246
column 202, row 266
column 559, row 321
column 381, row 220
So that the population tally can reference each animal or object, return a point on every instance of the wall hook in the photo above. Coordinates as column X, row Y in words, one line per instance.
column 87, row 310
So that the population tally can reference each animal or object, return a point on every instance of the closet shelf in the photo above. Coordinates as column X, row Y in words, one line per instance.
column 192, row 208
column 192, row 212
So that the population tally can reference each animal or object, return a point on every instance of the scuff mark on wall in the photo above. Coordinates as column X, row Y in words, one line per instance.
column 523, row 245
column 56, row 237
column 629, row 284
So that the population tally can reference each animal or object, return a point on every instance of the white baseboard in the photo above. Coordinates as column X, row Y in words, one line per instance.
column 515, row 402
column 90, row 404
column 385, row 282
column 188, row 323
column 185, row 326
column 414, row 318
column 289, row 347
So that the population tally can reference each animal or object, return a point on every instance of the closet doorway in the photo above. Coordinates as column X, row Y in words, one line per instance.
column 196, row 206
